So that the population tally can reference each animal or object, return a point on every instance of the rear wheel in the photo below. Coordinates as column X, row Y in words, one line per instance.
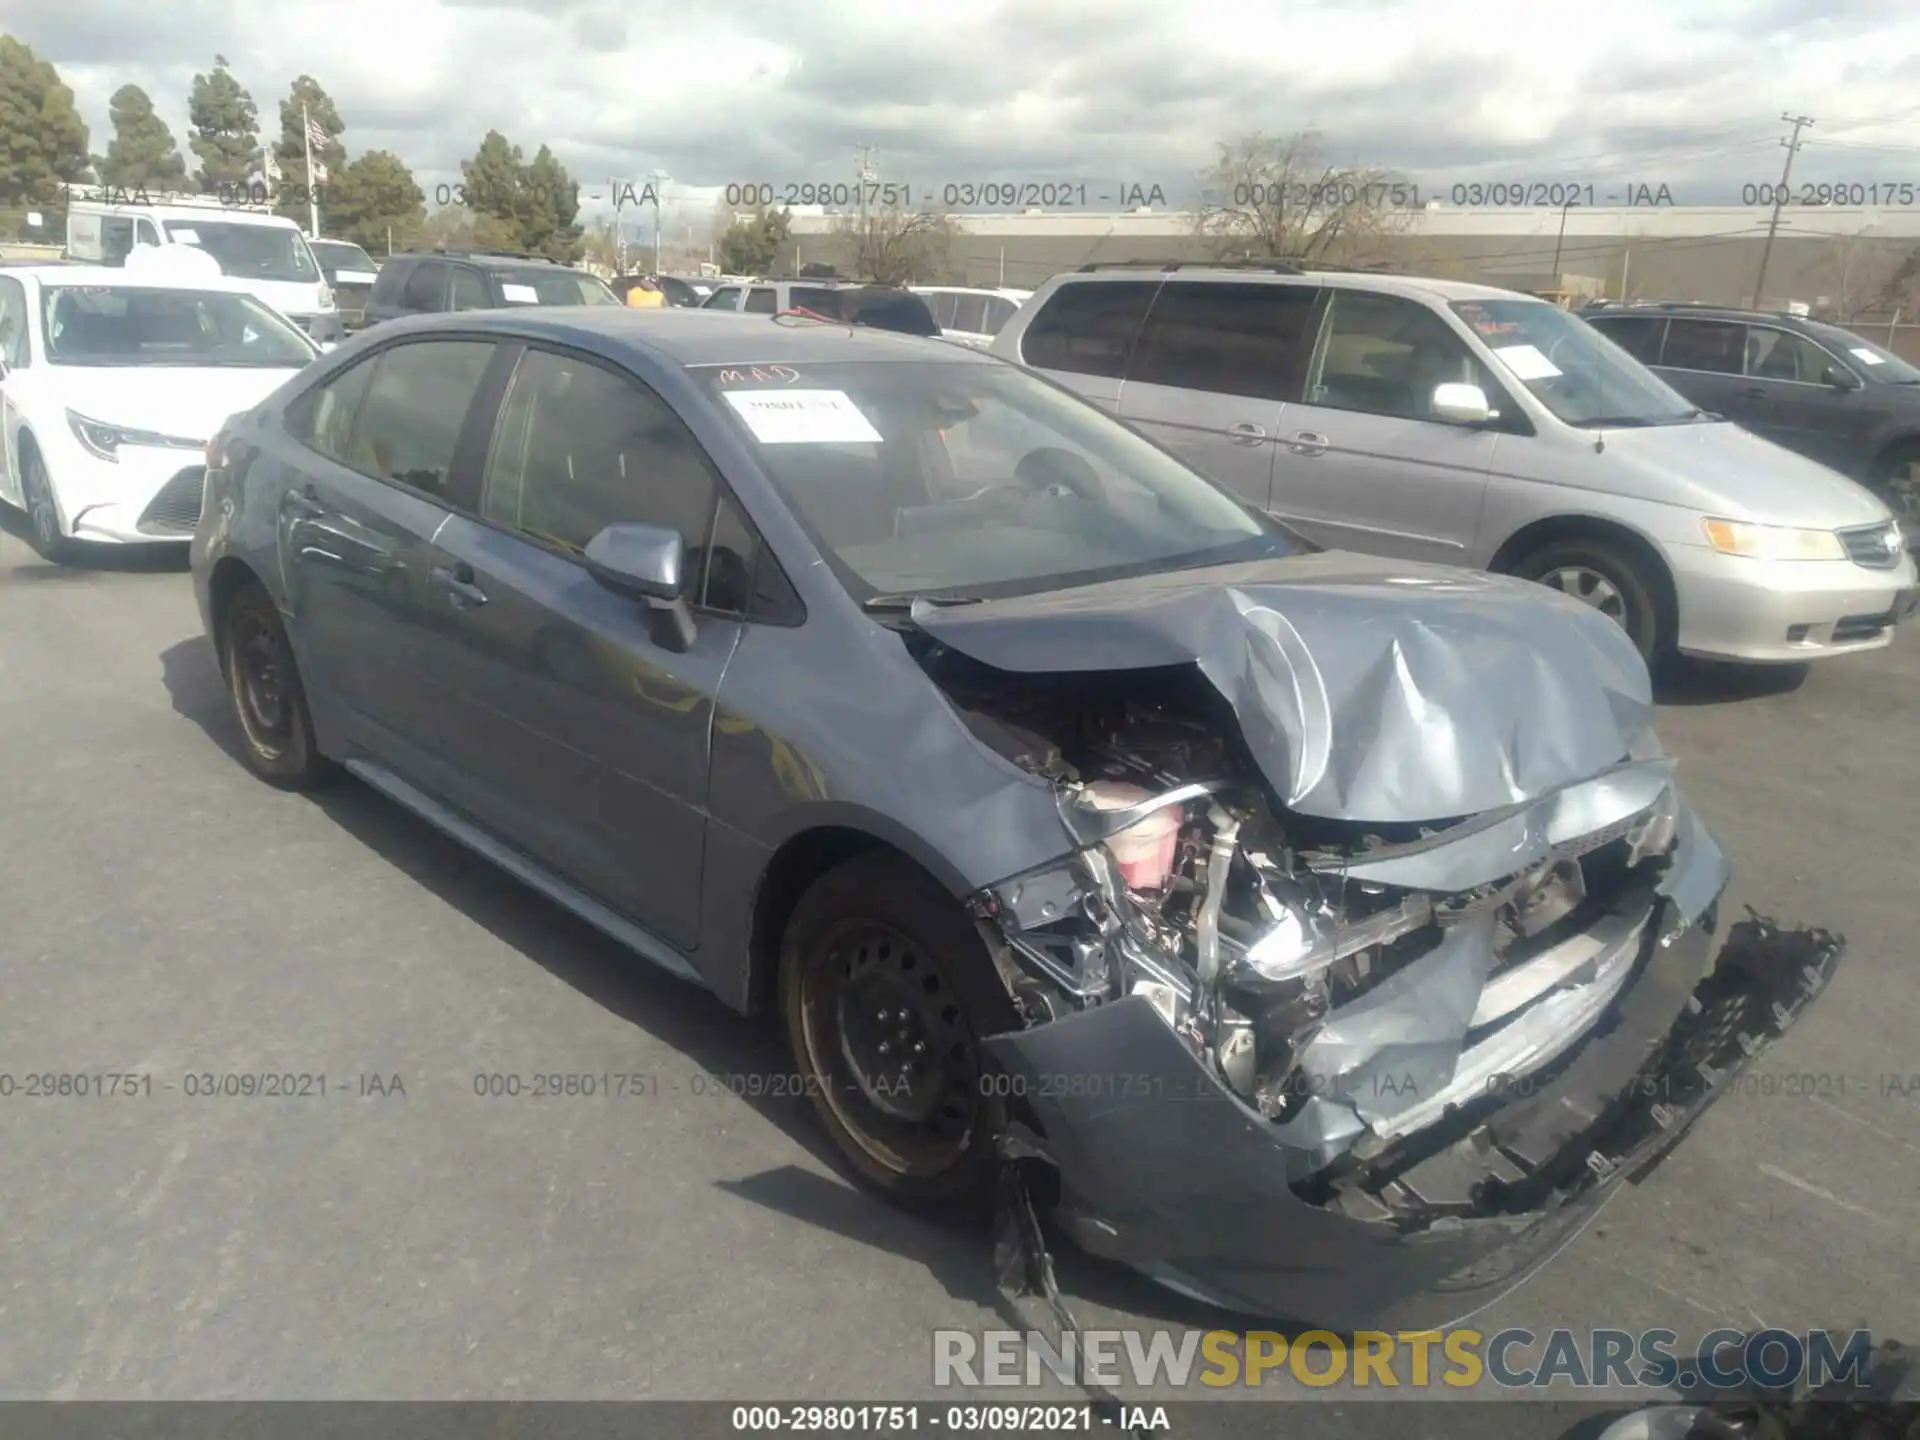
column 43, row 515
column 1608, row 576
column 886, row 990
column 276, row 730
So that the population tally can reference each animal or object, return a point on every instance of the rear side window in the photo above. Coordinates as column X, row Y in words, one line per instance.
column 761, row 301
column 427, row 287
column 1226, row 339
column 815, row 298
column 727, row 297
column 391, row 282
column 405, row 423
column 469, row 291
column 1640, row 336
column 1088, row 328
column 970, row 314
column 323, row 417
column 1715, row 345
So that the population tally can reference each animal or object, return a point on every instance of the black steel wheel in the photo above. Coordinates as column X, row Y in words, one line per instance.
column 276, row 730
column 886, row 991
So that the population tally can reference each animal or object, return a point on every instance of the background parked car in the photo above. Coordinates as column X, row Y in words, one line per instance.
column 1435, row 420
column 882, row 307
column 1824, row 392
column 351, row 271
column 111, row 384
column 434, row 282
column 968, row 315
column 680, row 292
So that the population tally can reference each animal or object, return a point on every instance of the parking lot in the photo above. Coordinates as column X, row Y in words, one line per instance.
column 164, row 914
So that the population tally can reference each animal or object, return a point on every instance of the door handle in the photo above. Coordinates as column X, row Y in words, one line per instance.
column 1245, row 434
column 1308, row 442
column 457, row 581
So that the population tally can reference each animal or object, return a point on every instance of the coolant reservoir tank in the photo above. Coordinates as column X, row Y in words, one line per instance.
column 1144, row 852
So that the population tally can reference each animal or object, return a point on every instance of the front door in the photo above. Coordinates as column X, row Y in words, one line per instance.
column 356, row 524
column 1212, row 373
column 1791, row 398
column 1704, row 360
column 583, row 738
column 1362, row 462
column 14, row 322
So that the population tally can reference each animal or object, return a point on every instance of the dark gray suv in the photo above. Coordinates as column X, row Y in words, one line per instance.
column 1084, row 825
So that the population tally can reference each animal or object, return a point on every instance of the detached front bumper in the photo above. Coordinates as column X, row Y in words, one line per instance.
column 1163, row 1168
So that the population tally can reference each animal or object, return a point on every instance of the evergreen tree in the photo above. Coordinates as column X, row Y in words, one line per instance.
column 226, row 129
column 142, row 154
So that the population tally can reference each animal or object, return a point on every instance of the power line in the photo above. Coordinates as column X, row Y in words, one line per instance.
column 1799, row 123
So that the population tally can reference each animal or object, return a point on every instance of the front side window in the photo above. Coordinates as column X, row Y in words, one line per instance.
column 145, row 234
column 407, row 426
column 1713, row 345
column 1386, row 355
column 727, row 297
column 951, row 479
column 578, row 448
column 249, row 252
column 116, row 239
column 128, row 325
column 1573, row 369
column 341, row 255
column 1226, row 339
column 13, row 322
column 1639, row 336
column 1781, row 355
column 969, row 314
column 1088, row 328
column 469, row 291
column 762, row 301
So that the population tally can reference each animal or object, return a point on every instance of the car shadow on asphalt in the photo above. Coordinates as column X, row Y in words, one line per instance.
column 746, row 1054
column 1681, row 680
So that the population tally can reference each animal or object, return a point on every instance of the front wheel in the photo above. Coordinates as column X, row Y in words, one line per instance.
column 276, row 730
column 43, row 515
column 886, row 991
column 1609, row 577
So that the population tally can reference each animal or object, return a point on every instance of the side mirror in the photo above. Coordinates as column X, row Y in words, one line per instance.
column 1461, row 405
column 646, row 562
column 327, row 347
column 1840, row 378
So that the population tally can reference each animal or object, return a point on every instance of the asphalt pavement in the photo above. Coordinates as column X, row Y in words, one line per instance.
column 405, row 1236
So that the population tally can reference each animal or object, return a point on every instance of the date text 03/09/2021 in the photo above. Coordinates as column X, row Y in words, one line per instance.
column 973, row 1419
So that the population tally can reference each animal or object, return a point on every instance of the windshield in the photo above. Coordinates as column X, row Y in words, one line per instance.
column 339, row 255
column 248, row 252
column 1876, row 362
column 552, row 287
column 1571, row 368
column 122, row 325
column 950, row 481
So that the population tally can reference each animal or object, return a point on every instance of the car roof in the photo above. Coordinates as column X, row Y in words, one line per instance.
column 494, row 260
column 1412, row 287
column 111, row 275
column 703, row 337
column 1665, row 308
column 206, row 214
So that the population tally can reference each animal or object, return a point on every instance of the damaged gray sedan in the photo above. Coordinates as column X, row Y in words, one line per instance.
column 1322, row 936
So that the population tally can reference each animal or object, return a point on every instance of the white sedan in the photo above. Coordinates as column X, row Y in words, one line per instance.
column 111, row 384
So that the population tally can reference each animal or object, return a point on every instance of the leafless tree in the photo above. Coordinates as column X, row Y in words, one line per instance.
column 1268, row 198
column 1859, row 273
column 892, row 245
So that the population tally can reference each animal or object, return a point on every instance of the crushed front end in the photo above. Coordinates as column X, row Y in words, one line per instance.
column 1359, row 1073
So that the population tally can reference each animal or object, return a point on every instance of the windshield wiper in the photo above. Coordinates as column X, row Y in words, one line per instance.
column 888, row 604
column 1617, row 422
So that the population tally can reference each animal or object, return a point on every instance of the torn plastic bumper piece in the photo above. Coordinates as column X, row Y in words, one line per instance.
column 1162, row 1168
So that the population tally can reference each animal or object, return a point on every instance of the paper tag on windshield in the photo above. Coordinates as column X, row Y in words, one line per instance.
column 182, row 236
column 1526, row 362
column 1865, row 357
column 802, row 417
column 521, row 294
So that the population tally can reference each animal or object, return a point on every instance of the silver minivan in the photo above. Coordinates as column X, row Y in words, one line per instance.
column 1441, row 421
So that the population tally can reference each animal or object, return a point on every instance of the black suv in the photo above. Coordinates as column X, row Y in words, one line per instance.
column 431, row 282
column 1809, row 386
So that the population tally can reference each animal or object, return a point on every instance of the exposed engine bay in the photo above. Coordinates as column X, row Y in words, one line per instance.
column 1350, row 982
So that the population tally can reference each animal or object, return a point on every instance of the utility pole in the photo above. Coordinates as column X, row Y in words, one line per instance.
column 655, row 179
column 867, row 176
column 1799, row 123
column 1559, row 241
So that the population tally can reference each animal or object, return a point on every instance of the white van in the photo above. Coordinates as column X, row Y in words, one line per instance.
column 971, row 316
column 264, row 252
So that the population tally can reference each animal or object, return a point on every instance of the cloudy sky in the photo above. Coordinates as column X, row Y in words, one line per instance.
column 1106, row 91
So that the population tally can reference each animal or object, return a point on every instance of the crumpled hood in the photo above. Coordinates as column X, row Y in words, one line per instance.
column 1368, row 689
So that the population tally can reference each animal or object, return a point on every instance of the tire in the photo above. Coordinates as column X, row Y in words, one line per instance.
column 873, row 940
column 1612, row 578
column 43, row 515
column 269, row 703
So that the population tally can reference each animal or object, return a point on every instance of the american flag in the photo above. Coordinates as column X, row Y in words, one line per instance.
column 317, row 135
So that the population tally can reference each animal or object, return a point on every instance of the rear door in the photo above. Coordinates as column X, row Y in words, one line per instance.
column 1212, row 372
column 384, row 301
column 384, row 442
column 582, row 739
column 1083, row 335
column 1704, row 360
column 426, row 291
column 1362, row 463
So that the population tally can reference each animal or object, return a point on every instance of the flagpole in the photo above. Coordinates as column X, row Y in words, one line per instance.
column 313, row 196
